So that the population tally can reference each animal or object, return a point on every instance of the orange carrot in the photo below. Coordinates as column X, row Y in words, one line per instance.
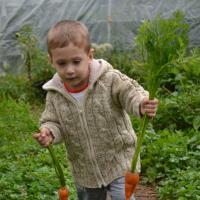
column 131, row 180
column 63, row 193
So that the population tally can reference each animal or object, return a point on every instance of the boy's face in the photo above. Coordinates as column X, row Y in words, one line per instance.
column 72, row 64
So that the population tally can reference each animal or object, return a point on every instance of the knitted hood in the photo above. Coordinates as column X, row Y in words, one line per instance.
column 97, row 69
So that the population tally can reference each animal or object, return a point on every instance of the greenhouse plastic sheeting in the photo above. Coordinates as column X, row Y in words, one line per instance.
column 109, row 21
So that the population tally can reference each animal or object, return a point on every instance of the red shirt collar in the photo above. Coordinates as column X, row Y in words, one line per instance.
column 71, row 90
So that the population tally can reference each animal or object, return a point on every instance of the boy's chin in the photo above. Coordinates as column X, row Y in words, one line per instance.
column 74, row 85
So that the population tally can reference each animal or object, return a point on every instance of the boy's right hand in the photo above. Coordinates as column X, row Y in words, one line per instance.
column 44, row 137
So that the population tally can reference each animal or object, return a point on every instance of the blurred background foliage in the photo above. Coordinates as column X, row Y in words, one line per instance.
column 170, row 156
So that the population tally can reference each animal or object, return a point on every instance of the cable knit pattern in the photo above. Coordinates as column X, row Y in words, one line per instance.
column 98, row 135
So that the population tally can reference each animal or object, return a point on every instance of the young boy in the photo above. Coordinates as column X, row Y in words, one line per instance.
column 86, row 107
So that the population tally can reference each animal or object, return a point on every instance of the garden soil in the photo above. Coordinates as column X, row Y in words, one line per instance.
column 144, row 192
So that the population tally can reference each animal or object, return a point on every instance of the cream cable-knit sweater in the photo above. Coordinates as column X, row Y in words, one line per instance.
column 98, row 134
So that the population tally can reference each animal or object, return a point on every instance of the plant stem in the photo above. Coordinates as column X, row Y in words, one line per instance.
column 143, row 126
column 57, row 166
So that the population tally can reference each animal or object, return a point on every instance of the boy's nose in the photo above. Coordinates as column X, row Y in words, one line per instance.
column 69, row 70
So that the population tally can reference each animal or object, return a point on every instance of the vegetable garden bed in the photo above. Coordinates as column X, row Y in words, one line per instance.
column 144, row 192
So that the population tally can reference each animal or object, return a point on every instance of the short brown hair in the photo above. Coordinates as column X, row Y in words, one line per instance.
column 67, row 31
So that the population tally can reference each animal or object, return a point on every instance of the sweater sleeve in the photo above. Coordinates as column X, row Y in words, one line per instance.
column 50, row 120
column 127, row 92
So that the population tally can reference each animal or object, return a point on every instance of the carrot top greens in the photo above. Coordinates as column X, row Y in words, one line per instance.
column 160, row 42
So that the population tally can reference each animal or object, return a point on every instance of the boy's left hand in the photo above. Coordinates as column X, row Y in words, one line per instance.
column 149, row 107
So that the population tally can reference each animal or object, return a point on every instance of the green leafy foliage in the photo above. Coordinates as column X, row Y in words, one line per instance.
column 180, row 110
column 182, row 185
column 188, row 66
column 182, row 72
column 20, row 88
column 175, row 147
column 36, row 64
column 26, row 169
column 162, row 40
column 158, row 164
column 160, row 43
column 172, row 159
column 123, row 60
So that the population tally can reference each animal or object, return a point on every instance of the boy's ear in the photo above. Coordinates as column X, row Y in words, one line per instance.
column 91, row 53
column 50, row 59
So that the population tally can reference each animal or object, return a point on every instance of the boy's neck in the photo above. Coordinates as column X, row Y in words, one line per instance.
column 76, row 90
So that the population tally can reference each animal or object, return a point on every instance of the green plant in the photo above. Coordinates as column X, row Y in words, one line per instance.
column 27, row 43
column 189, row 66
column 172, row 158
column 159, row 164
column 122, row 60
column 183, row 71
column 161, row 42
column 180, row 110
column 182, row 185
column 63, row 191
column 19, row 88
column 36, row 63
column 125, row 61
column 25, row 171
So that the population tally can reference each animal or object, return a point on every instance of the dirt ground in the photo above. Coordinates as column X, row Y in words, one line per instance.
column 145, row 193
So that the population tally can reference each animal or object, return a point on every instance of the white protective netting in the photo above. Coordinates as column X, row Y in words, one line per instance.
column 109, row 21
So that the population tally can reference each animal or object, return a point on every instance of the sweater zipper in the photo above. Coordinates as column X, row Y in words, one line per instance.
column 81, row 109
column 97, row 171
column 95, row 166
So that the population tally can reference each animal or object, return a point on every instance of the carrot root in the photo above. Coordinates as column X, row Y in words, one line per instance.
column 63, row 193
column 131, row 180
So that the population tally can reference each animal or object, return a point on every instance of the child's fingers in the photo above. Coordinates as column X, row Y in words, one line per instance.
column 150, row 106
column 151, row 112
column 151, row 109
column 44, row 132
column 42, row 141
column 43, row 138
column 151, row 102
column 36, row 135
column 46, row 141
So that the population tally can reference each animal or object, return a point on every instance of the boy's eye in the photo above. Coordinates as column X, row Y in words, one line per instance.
column 76, row 62
column 61, row 63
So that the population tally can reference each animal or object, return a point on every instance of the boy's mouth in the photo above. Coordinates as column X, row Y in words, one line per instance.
column 71, row 79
